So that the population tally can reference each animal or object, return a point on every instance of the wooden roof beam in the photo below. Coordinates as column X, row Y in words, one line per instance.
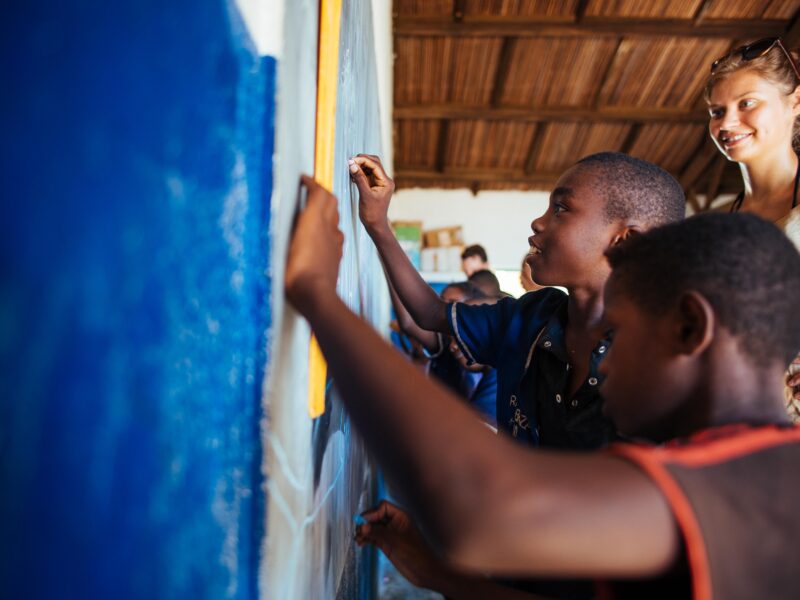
column 792, row 36
column 636, row 114
column 514, row 26
column 470, row 176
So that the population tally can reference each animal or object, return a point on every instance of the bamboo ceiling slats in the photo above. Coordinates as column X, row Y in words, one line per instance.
column 560, row 143
column 751, row 9
column 488, row 144
column 660, row 71
column 665, row 9
column 781, row 9
column 553, row 72
column 443, row 70
column 561, row 10
column 670, row 145
column 424, row 8
column 506, row 94
column 423, row 61
column 416, row 143
column 493, row 186
column 476, row 57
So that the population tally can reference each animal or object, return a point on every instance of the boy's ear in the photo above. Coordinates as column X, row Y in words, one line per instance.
column 694, row 327
column 625, row 233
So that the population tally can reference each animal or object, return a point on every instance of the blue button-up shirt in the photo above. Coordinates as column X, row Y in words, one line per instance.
column 524, row 340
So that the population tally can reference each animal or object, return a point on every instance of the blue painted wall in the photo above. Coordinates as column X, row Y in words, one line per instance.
column 136, row 148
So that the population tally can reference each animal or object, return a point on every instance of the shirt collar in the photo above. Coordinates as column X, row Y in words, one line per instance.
column 553, row 339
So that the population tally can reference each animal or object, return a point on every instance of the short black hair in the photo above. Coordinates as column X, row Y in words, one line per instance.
column 468, row 289
column 635, row 188
column 743, row 265
column 475, row 250
column 486, row 281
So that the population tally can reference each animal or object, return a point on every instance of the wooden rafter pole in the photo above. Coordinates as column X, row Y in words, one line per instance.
column 700, row 15
column 714, row 181
column 634, row 114
column 469, row 176
column 588, row 27
column 503, row 65
column 533, row 150
column 580, row 10
column 698, row 165
column 630, row 139
column 791, row 36
column 441, row 146
column 691, row 200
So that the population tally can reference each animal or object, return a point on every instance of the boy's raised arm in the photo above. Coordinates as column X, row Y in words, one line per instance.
column 489, row 504
column 375, row 192
column 430, row 340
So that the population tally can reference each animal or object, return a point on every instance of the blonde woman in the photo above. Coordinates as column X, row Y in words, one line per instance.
column 753, row 97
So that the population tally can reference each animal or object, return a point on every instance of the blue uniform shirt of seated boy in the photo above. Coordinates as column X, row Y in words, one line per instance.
column 524, row 340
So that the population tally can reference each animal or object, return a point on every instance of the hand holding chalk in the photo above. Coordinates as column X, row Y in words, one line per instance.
column 390, row 529
column 375, row 189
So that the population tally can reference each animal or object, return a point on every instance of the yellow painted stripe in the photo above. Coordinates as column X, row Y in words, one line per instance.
column 330, row 12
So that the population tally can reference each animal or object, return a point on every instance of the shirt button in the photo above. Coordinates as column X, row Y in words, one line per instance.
column 558, row 398
column 592, row 380
column 547, row 344
column 574, row 403
column 601, row 349
column 513, row 398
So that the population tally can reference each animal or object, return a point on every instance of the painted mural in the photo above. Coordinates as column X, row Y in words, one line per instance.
column 155, row 437
column 136, row 180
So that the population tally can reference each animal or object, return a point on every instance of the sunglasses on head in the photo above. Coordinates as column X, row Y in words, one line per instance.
column 757, row 50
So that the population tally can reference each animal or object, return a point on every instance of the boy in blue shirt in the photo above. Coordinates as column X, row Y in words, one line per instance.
column 547, row 345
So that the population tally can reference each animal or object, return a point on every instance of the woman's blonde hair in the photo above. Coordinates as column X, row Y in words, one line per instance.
column 773, row 66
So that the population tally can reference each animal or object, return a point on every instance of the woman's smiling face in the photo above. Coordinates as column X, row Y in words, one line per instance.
column 750, row 117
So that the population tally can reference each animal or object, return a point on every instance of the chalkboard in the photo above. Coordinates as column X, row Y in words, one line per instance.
column 318, row 475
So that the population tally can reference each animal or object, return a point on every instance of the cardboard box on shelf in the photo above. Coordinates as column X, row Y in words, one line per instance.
column 443, row 237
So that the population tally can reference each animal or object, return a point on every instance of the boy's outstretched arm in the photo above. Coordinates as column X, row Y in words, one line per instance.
column 430, row 340
column 375, row 192
column 489, row 504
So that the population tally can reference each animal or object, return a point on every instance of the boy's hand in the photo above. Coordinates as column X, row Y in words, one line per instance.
column 315, row 250
column 390, row 529
column 375, row 190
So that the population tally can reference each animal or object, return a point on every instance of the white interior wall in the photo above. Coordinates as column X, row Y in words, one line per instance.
column 498, row 220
